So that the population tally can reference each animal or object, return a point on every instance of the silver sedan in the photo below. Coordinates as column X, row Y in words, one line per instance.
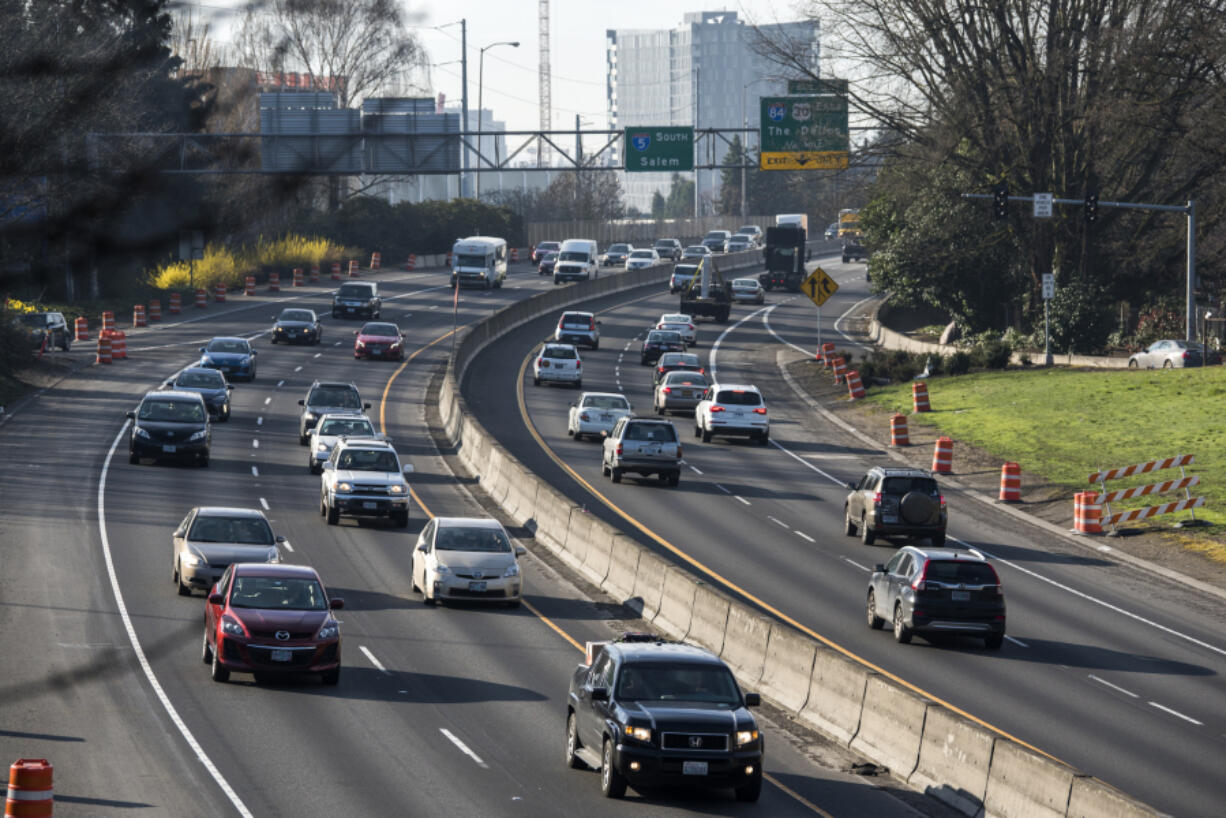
column 748, row 290
column 1173, row 353
column 596, row 412
column 210, row 538
column 679, row 391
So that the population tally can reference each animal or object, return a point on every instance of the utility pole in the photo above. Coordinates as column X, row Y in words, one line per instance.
column 464, row 181
column 697, row 120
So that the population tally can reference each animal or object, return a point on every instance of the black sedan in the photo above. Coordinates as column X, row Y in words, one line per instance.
column 297, row 326
column 208, row 384
column 548, row 261
column 657, row 342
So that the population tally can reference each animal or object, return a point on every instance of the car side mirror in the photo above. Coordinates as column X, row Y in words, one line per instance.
column 216, row 599
column 365, row 405
column 131, row 415
column 851, row 486
column 169, row 383
column 603, row 432
column 598, row 321
column 878, row 569
column 281, row 538
column 753, row 700
column 355, row 332
column 229, row 387
column 202, row 349
column 302, row 403
column 520, row 550
column 336, row 603
column 254, row 353
column 423, row 546
column 600, row 694
column 408, row 468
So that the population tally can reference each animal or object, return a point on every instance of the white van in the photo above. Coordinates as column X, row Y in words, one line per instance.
column 576, row 261
column 479, row 261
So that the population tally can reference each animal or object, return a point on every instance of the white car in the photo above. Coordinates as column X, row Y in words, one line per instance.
column 642, row 258
column 596, row 412
column 748, row 290
column 467, row 558
column 682, row 275
column 558, row 363
column 331, row 428
column 732, row 410
column 696, row 251
column 684, row 324
column 740, row 243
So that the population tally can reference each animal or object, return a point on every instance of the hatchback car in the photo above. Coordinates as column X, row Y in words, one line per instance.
column 271, row 620
column 937, row 590
column 333, row 427
column 669, row 249
column 657, row 342
column 170, row 424
column 696, row 251
column 616, row 255
column 679, row 391
column 558, row 363
column 748, row 291
column 211, row 538
column 596, row 412
column 543, row 249
column 578, row 328
column 326, row 397
column 642, row 258
column 682, row 275
column 467, row 558
column 379, row 340
column 682, row 323
column 357, row 299
column 1172, row 353
column 297, row 326
column 210, row 385
column 233, row 357
column 895, row 502
column 674, row 361
column 547, row 263
column 732, row 410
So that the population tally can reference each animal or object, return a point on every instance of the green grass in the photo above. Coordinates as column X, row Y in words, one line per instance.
column 1065, row 424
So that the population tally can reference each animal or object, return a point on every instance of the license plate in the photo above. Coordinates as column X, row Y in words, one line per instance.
column 685, row 393
column 476, row 586
column 370, row 504
column 693, row 768
column 959, row 596
column 376, row 350
column 169, row 449
column 279, row 655
column 349, row 309
column 605, row 416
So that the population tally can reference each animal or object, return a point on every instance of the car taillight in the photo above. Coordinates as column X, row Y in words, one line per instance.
column 1186, row 355
column 761, row 410
column 716, row 409
column 591, row 324
column 584, row 416
column 619, row 449
column 691, row 326
column 578, row 364
column 918, row 584
column 941, row 497
column 660, row 369
column 876, row 498
column 541, row 362
column 678, row 451
column 668, row 390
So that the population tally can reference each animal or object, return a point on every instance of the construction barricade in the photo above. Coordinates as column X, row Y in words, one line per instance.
column 104, row 347
column 448, row 259
column 138, row 316
column 336, row 271
column 824, row 354
column 943, row 455
column 855, row 389
column 81, row 327
column 274, row 282
column 919, row 397
column 1184, row 484
column 108, row 320
column 1087, row 513
column 249, row 285
column 898, row 430
column 314, row 275
column 376, row 261
column 31, row 793
column 297, row 277
column 840, row 370
column 155, row 310
column 514, row 255
column 175, row 306
column 119, row 344
column 353, row 268
column 219, row 293
column 1010, row 483
column 202, row 298
column 411, row 264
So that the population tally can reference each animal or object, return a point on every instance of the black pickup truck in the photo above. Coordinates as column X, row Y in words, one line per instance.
column 647, row 712
column 853, row 248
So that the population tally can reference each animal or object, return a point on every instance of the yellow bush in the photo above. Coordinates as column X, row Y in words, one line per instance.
column 217, row 267
column 223, row 266
column 19, row 306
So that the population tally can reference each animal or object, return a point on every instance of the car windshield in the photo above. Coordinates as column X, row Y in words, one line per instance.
column 232, row 345
column 960, row 571
column 665, row 243
column 334, row 396
column 657, row 432
column 611, row 402
column 684, row 379
column 548, row 245
column 663, row 337
column 620, row 248
column 685, row 270
column 675, row 318
column 245, row 530
column 551, row 256
column 678, row 359
column 353, row 291
column 278, row 593
column 469, row 260
column 172, row 411
column 687, row 683
column 738, row 397
column 305, row 316
column 697, row 249
column 572, row 255
column 487, row 540
column 382, row 330
column 641, row 254
column 674, row 326
column 744, row 284
column 715, row 234
column 346, row 426
column 902, row 485
column 202, row 380
column 367, row 460
column 576, row 319
column 561, row 353
column 747, row 230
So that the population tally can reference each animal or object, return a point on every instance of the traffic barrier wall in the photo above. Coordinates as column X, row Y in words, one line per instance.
column 836, row 696
column 891, row 726
column 745, row 641
column 623, row 568
column 1024, row 784
column 676, row 603
column 599, row 551
column 578, row 536
column 709, row 618
column 494, row 481
column 954, row 759
column 521, row 499
column 649, row 584
column 788, row 667
column 1091, row 798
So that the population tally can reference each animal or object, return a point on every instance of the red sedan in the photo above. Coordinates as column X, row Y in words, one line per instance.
column 271, row 620
column 379, row 340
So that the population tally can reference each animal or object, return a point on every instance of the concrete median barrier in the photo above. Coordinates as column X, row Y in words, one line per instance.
column 788, row 668
column 649, row 584
column 836, row 695
column 745, row 639
column 709, row 618
column 623, row 567
column 1091, row 798
column 552, row 519
column 676, row 603
column 891, row 726
column 954, row 759
column 599, row 550
column 578, row 535
column 1024, row 784
column 494, row 479
column 521, row 496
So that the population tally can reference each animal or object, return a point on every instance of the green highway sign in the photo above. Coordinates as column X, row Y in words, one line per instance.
column 656, row 150
column 804, row 133
column 830, row 87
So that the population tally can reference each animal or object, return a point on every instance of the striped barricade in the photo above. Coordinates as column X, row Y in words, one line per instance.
column 1183, row 483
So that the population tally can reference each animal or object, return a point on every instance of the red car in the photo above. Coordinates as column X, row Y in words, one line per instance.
column 271, row 620
column 379, row 340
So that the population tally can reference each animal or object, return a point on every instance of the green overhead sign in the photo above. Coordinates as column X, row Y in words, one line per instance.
column 804, row 133
column 656, row 150
column 830, row 87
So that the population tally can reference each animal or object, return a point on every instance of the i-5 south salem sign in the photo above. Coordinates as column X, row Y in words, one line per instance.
column 655, row 150
column 804, row 133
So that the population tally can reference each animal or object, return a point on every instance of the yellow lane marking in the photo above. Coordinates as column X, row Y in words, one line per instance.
column 553, row 626
column 729, row 584
column 797, row 796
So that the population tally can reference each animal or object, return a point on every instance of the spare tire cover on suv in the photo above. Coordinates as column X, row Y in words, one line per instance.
column 917, row 507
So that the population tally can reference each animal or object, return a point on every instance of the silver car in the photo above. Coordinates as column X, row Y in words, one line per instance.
column 596, row 412
column 331, row 428
column 679, row 391
column 467, row 558
column 1172, row 353
column 680, row 322
column 210, row 538
column 748, row 290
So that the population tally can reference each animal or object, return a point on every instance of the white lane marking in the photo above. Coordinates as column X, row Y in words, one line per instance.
column 255, row 472
column 259, row 421
column 255, row 443
column 777, row 521
column 143, row 660
column 715, row 346
column 264, row 503
column 280, row 384
column 338, row 343
column 721, row 488
column 434, row 306
column 1177, row 714
column 373, row 660
column 1114, row 687
column 858, row 565
column 463, row 747
column 803, row 535
column 1017, row 642
column 267, row 401
column 297, row 369
column 696, row 470
column 620, row 357
column 742, row 499
column 317, row 354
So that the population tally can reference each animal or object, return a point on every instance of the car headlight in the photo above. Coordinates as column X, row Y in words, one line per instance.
column 344, row 487
column 142, row 433
column 330, row 630
column 232, row 627
column 309, row 415
column 191, row 559
column 321, row 447
column 744, row 737
column 273, row 555
column 360, row 343
column 512, row 570
column 442, row 570
column 395, row 489
column 199, row 435
column 642, row 734
column 206, row 361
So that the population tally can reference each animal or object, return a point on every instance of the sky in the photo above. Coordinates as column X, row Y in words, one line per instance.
column 510, row 83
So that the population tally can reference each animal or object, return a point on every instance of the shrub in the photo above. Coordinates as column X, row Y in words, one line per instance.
column 220, row 265
column 959, row 363
column 991, row 354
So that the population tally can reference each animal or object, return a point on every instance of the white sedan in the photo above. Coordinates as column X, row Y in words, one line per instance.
column 682, row 323
column 642, row 258
column 596, row 412
column 467, row 558
column 559, row 363
column 748, row 290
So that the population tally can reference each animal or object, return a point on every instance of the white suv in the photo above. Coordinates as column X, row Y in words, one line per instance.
column 732, row 410
column 578, row 328
column 559, row 363
column 364, row 478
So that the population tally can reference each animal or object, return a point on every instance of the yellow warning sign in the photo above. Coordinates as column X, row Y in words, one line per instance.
column 804, row 160
column 819, row 286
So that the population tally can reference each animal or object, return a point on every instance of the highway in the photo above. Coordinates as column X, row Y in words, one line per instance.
column 447, row 711
column 1106, row 668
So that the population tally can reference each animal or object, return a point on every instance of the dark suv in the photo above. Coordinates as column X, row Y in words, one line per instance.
column 937, row 590
column 646, row 712
column 895, row 502
column 357, row 299
column 327, row 397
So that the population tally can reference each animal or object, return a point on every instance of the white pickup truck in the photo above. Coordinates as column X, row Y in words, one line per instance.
column 642, row 446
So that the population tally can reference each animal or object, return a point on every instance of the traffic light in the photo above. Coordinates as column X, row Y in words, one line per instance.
column 1091, row 211
column 1000, row 204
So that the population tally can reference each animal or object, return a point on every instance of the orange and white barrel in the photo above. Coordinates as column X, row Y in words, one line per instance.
column 31, row 793
column 898, row 430
column 202, row 297
column 108, row 319
column 104, row 347
column 176, row 304
column 855, row 389
column 411, row 264
column 81, row 326
column 274, row 282
column 449, row 259
column 919, row 397
column 353, row 268
column 825, row 354
column 155, row 310
column 219, row 293
column 297, row 277
column 138, row 316
column 943, row 456
column 119, row 344
column 840, row 370
column 314, row 275
column 249, row 285
column 1087, row 513
column 336, row 271
column 1011, row 482
column 514, row 254
column 376, row 261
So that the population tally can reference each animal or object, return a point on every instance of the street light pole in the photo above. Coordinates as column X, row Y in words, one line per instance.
column 481, row 103
column 745, row 142
column 464, row 101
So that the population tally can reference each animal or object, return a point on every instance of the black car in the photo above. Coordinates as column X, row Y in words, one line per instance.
column 657, row 342
column 357, row 299
column 675, row 361
column 646, row 712
column 668, row 249
column 547, row 263
column 172, row 425
column 208, row 384
column 937, row 590
column 297, row 326
column 327, row 397
column 895, row 502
